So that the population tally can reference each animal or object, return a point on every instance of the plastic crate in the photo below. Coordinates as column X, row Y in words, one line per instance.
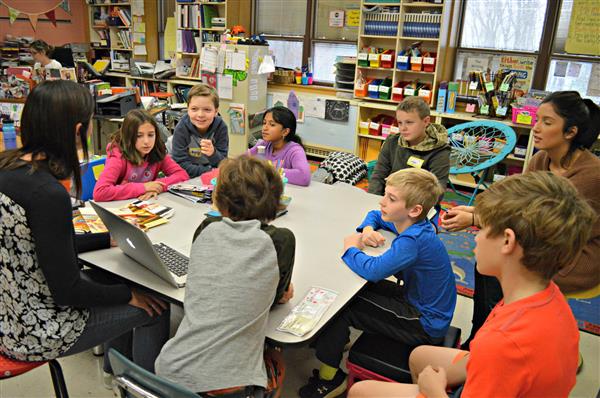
column 416, row 64
column 387, row 59
column 402, row 62
column 429, row 63
column 525, row 115
column 374, row 60
column 373, row 89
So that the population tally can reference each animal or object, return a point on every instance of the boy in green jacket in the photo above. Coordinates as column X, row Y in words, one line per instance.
column 420, row 144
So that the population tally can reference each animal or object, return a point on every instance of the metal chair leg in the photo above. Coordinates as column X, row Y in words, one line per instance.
column 58, row 380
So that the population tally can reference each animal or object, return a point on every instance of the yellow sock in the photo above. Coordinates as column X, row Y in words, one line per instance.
column 327, row 372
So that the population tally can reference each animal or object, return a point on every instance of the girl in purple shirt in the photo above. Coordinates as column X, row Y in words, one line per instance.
column 283, row 147
column 135, row 157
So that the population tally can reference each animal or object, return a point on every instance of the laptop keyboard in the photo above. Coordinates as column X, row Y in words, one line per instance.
column 176, row 262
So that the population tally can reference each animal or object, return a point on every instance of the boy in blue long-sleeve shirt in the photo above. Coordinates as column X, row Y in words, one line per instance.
column 416, row 312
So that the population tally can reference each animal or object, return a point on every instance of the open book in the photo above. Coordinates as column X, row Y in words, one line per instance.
column 193, row 193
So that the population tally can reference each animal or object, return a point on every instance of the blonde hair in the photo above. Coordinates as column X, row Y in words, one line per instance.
column 419, row 187
column 416, row 104
column 550, row 221
column 204, row 90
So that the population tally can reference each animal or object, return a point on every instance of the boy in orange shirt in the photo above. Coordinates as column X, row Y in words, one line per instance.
column 533, row 224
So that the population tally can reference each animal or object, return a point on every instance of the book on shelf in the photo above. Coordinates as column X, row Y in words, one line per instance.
column 207, row 14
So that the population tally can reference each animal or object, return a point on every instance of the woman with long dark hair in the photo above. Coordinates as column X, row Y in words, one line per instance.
column 50, row 308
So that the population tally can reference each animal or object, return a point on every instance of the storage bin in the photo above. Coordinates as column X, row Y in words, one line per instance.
column 525, row 115
column 374, row 89
column 363, row 59
column 374, row 128
column 402, row 62
column 387, row 59
column 363, row 127
column 429, row 63
column 416, row 64
column 385, row 129
column 425, row 93
column 385, row 89
column 361, row 90
column 374, row 60
column 409, row 91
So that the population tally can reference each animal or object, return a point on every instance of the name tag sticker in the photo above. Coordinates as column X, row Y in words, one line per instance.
column 195, row 152
column 415, row 162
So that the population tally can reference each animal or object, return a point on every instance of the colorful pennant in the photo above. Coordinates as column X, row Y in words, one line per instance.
column 13, row 13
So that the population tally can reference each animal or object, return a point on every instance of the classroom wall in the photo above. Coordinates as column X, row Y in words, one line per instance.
column 74, row 31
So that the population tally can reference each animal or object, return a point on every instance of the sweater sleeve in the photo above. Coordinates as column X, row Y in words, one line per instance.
column 374, row 220
column 298, row 172
column 173, row 172
column 221, row 144
column 49, row 219
column 401, row 255
column 383, row 167
column 181, row 142
column 108, row 188
column 439, row 164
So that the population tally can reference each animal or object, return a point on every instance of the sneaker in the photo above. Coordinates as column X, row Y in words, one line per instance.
column 317, row 388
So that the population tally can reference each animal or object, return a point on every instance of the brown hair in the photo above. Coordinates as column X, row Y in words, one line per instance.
column 126, row 138
column 419, row 187
column 204, row 90
column 41, row 46
column 550, row 221
column 247, row 189
column 416, row 104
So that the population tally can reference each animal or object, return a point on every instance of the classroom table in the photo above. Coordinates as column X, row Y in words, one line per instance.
column 320, row 216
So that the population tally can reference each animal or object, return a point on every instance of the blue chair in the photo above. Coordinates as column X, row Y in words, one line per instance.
column 89, row 171
column 133, row 381
column 475, row 147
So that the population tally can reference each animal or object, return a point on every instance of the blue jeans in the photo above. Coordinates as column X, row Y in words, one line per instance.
column 129, row 330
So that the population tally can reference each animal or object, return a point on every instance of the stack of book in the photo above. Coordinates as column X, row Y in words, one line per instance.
column 193, row 193
column 143, row 214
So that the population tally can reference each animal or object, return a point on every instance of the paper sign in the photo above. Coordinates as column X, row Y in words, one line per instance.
column 336, row 19
column 225, row 86
column 235, row 60
column 315, row 108
column 352, row 18
column 208, row 59
column 267, row 65
column 489, row 86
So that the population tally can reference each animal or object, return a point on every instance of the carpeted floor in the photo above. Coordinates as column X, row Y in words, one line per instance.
column 460, row 245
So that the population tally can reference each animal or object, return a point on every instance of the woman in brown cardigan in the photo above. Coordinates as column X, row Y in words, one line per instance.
column 567, row 126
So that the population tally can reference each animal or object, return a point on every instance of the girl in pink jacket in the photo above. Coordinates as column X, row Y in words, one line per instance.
column 135, row 157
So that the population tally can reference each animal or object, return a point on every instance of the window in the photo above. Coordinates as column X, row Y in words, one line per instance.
column 333, row 32
column 534, row 32
column 503, row 25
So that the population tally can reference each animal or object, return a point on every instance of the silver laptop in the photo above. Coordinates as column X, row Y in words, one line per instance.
column 159, row 258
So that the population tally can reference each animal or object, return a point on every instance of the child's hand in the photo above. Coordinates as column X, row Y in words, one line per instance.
column 207, row 148
column 288, row 294
column 457, row 218
column 432, row 382
column 372, row 238
column 354, row 240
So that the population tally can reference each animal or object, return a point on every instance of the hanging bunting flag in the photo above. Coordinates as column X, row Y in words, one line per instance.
column 12, row 14
column 33, row 18
column 66, row 6
column 51, row 16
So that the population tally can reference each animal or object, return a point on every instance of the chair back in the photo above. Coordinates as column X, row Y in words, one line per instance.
column 134, row 381
column 90, row 172
column 475, row 146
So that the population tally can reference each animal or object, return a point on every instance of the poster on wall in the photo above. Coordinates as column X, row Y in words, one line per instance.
column 336, row 19
column 523, row 66
column 584, row 34
column 352, row 18
column 338, row 111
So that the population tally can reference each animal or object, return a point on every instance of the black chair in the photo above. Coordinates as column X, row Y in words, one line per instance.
column 375, row 357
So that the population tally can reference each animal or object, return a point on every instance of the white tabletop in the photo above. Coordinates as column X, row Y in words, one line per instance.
column 320, row 216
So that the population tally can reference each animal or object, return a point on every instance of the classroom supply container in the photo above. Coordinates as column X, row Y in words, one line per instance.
column 363, row 58
column 374, row 60
column 402, row 62
column 361, row 90
column 397, row 92
column 525, row 115
column 363, row 126
column 374, row 88
column 425, row 93
column 416, row 64
column 387, row 59
column 385, row 89
column 429, row 63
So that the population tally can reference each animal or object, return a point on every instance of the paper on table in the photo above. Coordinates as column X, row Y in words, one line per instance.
column 208, row 59
column 267, row 65
column 139, row 49
column 225, row 86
